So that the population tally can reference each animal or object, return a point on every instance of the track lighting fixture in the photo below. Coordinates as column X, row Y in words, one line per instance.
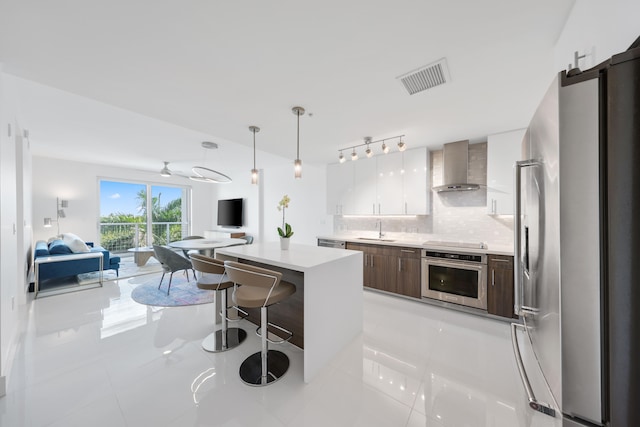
column 369, row 152
column 401, row 145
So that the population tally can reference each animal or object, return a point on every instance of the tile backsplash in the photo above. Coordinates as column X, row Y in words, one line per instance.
column 455, row 216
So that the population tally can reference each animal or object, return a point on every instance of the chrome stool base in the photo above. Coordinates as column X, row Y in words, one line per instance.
column 251, row 368
column 214, row 342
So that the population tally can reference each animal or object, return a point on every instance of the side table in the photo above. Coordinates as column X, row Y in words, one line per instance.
column 141, row 255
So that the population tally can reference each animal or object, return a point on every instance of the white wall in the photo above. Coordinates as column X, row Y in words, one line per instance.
column 307, row 209
column 598, row 29
column 241, row 187
column 78, row 183
column 12, row 225
column 306, row 213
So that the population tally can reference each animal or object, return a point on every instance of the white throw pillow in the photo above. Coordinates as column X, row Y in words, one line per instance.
column 76, row 244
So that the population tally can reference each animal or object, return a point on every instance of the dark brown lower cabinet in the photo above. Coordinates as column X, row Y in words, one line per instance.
column 408, row 272
column 390, row 269
column 398, row 270
column 500, row 286
column 377, row 267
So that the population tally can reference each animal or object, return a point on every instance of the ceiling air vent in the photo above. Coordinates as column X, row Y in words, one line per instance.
column 426, row 77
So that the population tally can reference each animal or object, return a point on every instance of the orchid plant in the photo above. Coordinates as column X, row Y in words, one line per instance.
column 284, row 231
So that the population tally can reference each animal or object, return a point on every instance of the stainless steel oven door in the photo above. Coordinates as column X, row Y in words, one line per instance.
column 459, row 282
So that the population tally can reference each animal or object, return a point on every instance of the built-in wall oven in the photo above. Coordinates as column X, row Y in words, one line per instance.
column 455, row 277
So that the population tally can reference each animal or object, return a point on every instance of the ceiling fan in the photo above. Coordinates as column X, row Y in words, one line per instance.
column 200, row 174
column 165, row 172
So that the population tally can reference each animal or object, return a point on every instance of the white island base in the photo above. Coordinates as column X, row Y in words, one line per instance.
column 333, row 296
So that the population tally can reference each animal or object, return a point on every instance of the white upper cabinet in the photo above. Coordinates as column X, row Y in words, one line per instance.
column 390, row 200
column 503, row 151
column 388, row 184
column 340, row 184
column 416, row 183
column 365, row 188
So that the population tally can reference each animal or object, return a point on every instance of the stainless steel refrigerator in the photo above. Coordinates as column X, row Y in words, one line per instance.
column 577, row 247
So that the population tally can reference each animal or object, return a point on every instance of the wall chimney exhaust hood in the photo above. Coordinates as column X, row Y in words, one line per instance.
column 455, row 162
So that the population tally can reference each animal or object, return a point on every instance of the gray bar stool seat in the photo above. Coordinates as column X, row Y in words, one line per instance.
column 213, row 277
column 261, row 288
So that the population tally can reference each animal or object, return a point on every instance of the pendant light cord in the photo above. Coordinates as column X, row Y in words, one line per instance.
column 298, row 137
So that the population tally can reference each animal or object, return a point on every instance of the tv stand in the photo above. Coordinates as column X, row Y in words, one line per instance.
column 216, row 234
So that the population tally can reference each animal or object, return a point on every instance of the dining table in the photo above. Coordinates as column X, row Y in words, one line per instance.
column 206, row 246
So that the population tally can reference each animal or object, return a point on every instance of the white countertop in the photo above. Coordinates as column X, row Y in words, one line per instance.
column 299, row 257
column 411, row 243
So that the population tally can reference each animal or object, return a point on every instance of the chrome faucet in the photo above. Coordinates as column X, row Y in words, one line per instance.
column 380, row 233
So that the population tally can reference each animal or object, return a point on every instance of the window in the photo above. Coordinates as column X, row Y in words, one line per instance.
column 141, row 214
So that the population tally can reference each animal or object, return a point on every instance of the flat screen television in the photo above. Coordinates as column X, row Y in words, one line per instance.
column 230, row 213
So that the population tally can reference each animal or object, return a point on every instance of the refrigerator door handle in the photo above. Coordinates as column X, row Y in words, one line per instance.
column 533, row 403
column 518, row 291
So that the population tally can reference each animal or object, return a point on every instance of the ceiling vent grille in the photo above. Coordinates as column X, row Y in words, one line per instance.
column 426, row 77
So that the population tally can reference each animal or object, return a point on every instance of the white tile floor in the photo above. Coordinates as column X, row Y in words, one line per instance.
column 97, row 358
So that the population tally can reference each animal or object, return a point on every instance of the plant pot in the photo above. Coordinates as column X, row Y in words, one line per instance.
column 284, row 243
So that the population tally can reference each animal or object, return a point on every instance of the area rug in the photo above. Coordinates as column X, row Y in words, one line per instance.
column 128, row 268
column 182, row 292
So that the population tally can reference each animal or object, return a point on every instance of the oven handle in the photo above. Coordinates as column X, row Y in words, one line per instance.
column 455, row 264
column 518, row 291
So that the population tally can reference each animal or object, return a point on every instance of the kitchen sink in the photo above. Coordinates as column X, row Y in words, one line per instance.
column 376, row 239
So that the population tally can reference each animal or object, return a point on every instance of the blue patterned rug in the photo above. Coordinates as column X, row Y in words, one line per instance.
column 182, row 292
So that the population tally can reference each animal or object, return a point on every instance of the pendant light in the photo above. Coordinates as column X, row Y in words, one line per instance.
column 297, row 164
column 254, row 171
column 341, row 158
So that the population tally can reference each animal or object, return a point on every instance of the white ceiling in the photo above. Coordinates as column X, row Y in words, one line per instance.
column 213, row 68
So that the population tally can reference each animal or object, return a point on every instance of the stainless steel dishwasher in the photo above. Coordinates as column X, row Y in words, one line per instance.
column 330, row 243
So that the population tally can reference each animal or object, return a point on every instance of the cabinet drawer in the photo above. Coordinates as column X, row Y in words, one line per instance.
column 501, row 261
column 406, row 252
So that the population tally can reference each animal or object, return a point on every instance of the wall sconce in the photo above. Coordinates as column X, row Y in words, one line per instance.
column 367, row 141
column 60, row 205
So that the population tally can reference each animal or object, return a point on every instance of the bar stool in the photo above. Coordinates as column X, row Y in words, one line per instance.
column 212, row 277
column 261, row 288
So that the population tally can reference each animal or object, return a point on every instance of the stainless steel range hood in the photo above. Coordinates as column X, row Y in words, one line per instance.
column 455, row 162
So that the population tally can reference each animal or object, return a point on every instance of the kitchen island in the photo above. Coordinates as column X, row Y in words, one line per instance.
column 326, row 311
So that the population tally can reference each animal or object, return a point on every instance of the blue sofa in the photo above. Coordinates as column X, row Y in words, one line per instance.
column 54, row 270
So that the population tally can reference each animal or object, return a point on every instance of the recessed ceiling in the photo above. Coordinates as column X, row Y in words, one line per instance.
column 214, row 68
